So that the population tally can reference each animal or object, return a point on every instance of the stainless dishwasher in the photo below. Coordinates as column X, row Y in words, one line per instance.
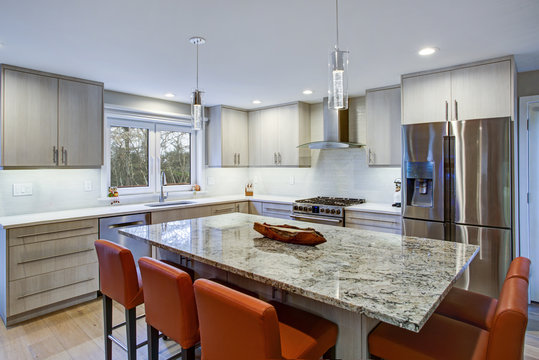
column 108, row 230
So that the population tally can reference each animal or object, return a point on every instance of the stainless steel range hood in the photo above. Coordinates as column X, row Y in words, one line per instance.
column 336, row 131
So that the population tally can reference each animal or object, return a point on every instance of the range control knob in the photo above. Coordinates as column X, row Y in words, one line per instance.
column 295, row 207
column 333, row 211
column 310, row 209
column 327, row 211
column 338, row 212
column 301, row 208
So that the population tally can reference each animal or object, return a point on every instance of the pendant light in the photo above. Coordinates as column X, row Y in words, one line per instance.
column 197, row 109
column 338, row 72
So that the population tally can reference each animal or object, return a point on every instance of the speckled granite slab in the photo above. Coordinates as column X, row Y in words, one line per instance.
column 392, row 278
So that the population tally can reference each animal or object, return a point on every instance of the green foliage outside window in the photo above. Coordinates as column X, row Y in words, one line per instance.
column 176, row 157
column 128, row 157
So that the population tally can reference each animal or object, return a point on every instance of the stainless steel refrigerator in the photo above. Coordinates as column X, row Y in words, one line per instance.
column 457, row 187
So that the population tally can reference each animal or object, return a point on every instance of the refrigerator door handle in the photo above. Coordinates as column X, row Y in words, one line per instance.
column 448, row 176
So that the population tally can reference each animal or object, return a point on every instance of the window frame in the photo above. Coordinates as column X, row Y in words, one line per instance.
column 154, row 124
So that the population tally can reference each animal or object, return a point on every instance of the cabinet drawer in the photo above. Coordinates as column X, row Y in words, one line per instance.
column 43, row 257
column 277, row 210
column 389, row 230
column 47, row 232
column 223, row 209
column 373, row 219
column 37, row 291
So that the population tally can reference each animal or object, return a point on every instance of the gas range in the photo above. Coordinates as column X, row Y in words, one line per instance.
column 323, row 210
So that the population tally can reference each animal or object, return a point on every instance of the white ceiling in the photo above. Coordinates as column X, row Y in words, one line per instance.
column 267, row 50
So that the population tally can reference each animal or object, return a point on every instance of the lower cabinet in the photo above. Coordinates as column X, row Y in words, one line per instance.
column 49, row 267
column 366, row 220
column 199, row 211
column 277, row 210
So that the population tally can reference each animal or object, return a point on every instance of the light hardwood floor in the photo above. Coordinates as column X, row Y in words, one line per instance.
column 77, row 333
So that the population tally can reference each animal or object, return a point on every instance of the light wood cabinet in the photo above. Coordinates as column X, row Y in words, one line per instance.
column 29, row 121
column 227, row 137
column 49, row 266
column 275, row 133
column 473, row 91
column 277, row 210
column 384, row 126
column 80, row 124
column 366, row 220
column 50, row 120
column 163, row 216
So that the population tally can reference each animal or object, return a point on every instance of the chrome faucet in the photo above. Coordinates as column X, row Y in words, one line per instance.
column 163, row 196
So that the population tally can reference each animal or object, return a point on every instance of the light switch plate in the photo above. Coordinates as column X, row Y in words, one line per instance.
column 24, row 189
column 87, row 185
column 291, row 180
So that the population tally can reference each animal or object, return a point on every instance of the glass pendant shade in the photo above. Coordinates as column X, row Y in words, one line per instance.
column 338, row 80
column 197, row 110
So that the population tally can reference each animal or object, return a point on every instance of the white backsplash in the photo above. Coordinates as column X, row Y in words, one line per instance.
column 51, row 190
column 339, row 172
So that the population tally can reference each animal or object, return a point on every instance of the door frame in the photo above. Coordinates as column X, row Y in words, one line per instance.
column 523, row 185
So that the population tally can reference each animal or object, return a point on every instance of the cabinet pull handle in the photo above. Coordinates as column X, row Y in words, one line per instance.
column 55, row 155
column 57, row 231
column 280, row 159
column 275, row 158
column 235, row 156
column 54, row 256
column 64, row 156
column 456, row 110
column 239, row 161
column 54, row 288
column 446, row 110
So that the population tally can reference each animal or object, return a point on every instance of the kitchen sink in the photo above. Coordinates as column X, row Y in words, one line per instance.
column 170, row 203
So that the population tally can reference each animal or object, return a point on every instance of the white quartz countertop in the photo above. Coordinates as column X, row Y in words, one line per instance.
column 104, row 211
column 381, row 208
column 392, row 278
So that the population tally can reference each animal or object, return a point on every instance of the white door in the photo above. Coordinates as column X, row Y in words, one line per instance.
column 533, row 190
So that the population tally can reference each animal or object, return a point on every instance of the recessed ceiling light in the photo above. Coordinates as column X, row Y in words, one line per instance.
column 307, row 92
column 256, row 102
column 169, row 95
column 427, row 51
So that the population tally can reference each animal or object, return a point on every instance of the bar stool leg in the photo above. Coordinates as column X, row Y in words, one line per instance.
column 330, row 354
column 153, row 343
column 131, row 332
column 107, row 326
column 188, row 354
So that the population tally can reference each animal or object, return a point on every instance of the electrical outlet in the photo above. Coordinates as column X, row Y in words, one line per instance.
column 291, row 180
column 22, row 189
column 87, row 185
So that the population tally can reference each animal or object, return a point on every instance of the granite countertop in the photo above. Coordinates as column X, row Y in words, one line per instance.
column 392, row 278
column 103, row 211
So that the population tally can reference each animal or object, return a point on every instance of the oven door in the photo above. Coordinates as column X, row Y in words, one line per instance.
column 326, row 220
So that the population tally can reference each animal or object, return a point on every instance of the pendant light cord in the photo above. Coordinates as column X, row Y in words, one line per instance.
column 337, row 23
column 197, row 66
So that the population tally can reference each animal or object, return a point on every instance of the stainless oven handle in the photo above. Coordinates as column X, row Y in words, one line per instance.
column 317, row 218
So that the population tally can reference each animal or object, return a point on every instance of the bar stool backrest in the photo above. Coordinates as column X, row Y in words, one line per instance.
column 118, row 274
column 520, row 267
column 234, row 325
column 506, row 339
column 170, row 301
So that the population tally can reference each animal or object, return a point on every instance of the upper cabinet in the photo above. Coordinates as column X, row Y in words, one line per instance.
column 276, row 132
column 227, row 135
column 50, row 121
column 473, row 91
column 384, row 126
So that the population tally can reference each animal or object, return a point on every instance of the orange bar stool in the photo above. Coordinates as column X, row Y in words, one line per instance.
column 446, row 338
column 235, row 326
column 477, row 309
column 120, row 282
column 170, row 307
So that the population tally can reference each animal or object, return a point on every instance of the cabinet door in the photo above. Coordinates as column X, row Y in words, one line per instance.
column 482, row 91
column 269, row 137
column 384, row 127
column 426, row 98
column 30, row 119
column 255, row 138
column 235, row 137
column 80, row 124
column 229, row 147
column 288, row 153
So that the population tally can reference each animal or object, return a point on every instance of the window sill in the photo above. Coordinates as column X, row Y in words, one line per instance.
column 153, row 197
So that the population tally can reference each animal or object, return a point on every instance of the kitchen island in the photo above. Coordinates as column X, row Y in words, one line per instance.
column 356, row 279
